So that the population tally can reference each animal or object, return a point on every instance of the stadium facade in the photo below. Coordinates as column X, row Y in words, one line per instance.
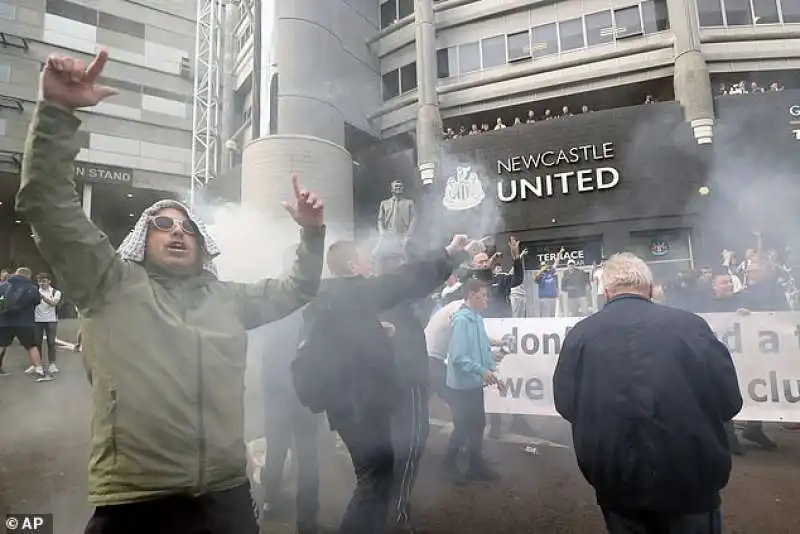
column 134, row 148
column 348, row 80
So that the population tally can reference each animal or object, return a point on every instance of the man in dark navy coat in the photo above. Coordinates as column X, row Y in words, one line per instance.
column 648, row 390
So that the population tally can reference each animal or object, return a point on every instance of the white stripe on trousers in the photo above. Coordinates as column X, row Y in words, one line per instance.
column 415, row 449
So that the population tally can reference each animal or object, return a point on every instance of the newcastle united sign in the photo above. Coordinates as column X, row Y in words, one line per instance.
column 105, row 174
column 544, row 175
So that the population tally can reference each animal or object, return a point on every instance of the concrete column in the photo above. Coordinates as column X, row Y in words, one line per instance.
column 321, row 166
column 310, row 127
column 228, row 81
column 87, row 199
column 429, row 122
column 692, row 81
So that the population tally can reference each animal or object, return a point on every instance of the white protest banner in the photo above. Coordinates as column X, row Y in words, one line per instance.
column 765, row 349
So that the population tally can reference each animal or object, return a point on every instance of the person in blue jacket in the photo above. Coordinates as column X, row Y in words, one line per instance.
column 470, row 367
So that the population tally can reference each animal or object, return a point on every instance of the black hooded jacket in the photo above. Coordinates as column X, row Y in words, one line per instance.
column 501, row 284
column 361, row 352
column 28, row 299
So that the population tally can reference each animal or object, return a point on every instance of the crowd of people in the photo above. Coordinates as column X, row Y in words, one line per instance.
column 165, row 342
column 743, row 88
column 28, row 314
column 530, row 118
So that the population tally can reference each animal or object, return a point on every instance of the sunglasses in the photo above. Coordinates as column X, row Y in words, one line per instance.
column 168, row 224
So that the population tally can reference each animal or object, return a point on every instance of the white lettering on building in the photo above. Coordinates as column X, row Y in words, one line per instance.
column 548, row 185
column 553, row 183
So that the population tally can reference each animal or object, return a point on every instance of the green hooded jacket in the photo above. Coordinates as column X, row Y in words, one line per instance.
column 165, row 356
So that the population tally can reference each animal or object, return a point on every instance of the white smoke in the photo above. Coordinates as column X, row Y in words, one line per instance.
column 252, row 243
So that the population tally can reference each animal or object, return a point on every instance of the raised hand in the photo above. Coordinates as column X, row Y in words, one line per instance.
column 513, row 245
column 68, row 82
column 306, row 210
column 458, row 244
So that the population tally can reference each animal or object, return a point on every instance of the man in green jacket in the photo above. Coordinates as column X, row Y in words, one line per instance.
column 164, row 339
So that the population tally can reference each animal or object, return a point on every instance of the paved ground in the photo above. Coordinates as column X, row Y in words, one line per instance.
column 44, row 444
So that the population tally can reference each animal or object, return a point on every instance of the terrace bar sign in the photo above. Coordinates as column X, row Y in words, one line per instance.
column 102, row 174
column 541, row 181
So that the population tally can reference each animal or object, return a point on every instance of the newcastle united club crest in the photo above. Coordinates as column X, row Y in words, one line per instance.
column 659, row 247
column 463, row 191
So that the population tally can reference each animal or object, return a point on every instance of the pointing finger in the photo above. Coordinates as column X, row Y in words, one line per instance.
column 296, row 186
column 97, row 66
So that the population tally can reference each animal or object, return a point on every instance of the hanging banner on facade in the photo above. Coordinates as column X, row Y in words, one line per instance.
column 765, row 348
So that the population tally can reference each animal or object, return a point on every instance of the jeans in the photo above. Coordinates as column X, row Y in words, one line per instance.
column 547, row 307
column 223, row 512
column 50, row 330
column 410, row 429
column 369, row 441
column 646, row 522
column 469, row 422
column 294, row 427
column 519, row 305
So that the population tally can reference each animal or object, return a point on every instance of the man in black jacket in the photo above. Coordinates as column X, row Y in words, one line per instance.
column 648, row 390
column 20, row 296
column 370, row 387
column 411, row 418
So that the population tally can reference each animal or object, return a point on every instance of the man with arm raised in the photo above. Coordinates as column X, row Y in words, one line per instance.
column 164, row 339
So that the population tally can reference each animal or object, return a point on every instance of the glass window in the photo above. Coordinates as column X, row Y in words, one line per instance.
column 709, row 12
column 388, row 13
column 738, row 12
column 627, row 22
column 405, row 8
column 654, row 14
column 571, row 33
column 391, row 85
column 469, row 58
column 598, row 28
column 408, row 77
column 493, row 51
column 446, row 62
column 790, row 10
column 5, row 73
column 519, row 46
column 766, row 12
column 544, row 40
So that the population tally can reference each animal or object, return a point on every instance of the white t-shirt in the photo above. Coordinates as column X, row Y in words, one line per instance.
column 45, row 313
column 437, row 333
column 598, row 275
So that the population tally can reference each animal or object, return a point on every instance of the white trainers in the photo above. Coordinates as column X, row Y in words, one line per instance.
column 52, row 369
column 30, row 370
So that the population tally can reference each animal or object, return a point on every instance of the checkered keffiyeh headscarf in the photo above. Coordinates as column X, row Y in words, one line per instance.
column 133, row 247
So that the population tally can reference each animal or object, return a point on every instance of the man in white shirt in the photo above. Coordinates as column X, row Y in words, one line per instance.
column 597, row 275
column 47, row 319
column 437, row 337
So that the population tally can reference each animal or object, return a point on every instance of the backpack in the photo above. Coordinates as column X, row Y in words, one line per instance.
column 11, row 298
column 316, row 369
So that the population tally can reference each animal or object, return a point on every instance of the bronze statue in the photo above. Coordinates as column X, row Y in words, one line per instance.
column 396, row 218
